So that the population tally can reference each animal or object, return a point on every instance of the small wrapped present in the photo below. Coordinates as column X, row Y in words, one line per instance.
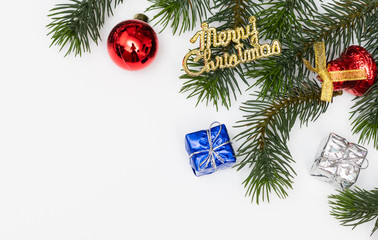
column 339, row 161
column 209, row 150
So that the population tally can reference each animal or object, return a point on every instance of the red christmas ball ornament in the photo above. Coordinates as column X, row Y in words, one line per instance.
column 354, row 57
column 133, row 44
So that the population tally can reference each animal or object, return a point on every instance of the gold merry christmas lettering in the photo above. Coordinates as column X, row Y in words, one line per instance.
column 209, row 37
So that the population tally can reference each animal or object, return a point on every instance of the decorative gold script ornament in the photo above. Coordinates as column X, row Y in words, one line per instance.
column 209, row 37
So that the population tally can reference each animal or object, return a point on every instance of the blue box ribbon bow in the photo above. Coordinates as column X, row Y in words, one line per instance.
column 210, row 150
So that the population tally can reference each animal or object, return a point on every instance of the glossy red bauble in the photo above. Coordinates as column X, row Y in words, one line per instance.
column 132, row 44
column 355, row 57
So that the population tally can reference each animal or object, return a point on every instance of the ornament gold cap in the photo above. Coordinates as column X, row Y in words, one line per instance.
column 142, row 17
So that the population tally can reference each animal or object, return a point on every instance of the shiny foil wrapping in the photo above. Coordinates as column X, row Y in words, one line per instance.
column 339, row 162
column 355, row 57
column 207, row 157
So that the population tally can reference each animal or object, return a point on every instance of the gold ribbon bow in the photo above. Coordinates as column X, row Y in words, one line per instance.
column 330, row 77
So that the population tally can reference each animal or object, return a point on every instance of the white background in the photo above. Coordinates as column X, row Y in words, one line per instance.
column 91, row 151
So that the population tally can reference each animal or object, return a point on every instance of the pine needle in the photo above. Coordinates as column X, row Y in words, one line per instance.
column 355, row 207
column 74, row 25
column 265, row 132
column 180, row 15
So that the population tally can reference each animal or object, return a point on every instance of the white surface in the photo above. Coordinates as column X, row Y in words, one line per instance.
column 90, row 151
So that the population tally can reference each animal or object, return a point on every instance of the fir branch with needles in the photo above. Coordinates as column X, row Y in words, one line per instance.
column 233, row 13
column 219, row 88
column 264, row 135
column 365, row 109
column 282, row 20
column 180, row 15
column 365, row 114
column 355, row 207
column 77, row 23
column 370, row 35
column 342, row 21
column 215, row 88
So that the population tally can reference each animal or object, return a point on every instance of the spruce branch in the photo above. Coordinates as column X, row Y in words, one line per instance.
column 223, row 85
column 365, row 109
column 365, row 114
column 355, row 207
column 343, row 20
column 216, row 87
column 233, row 13
column 266, row 129
column 281, row 18
column 370, row 35
column 76, row 23
column 180, row 15
column 277, row 75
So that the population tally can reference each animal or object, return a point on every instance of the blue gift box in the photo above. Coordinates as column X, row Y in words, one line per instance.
column 209, row 150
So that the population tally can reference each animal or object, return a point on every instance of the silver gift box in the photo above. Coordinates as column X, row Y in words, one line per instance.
column 339, row 162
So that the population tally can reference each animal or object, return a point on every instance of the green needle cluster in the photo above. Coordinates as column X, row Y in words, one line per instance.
column 355, row 207
column 77, row 23
column 265, row 131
